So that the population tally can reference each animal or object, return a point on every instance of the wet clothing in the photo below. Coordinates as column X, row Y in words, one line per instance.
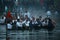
column 50, row 26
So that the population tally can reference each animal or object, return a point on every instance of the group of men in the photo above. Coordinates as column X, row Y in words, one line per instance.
column 27, row 22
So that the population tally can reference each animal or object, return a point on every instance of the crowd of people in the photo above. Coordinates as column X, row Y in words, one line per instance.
column 29, row 23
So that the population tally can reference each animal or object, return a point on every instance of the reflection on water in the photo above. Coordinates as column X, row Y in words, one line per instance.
column 2, row 32
column 29, row 35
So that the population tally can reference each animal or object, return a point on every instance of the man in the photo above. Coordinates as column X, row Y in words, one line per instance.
column 32, row 23
column 9, row 26
column 27, row 13
column 9, row 17
column 49, row 13
column 19, row 24
column 39, row 22
column 26, row 22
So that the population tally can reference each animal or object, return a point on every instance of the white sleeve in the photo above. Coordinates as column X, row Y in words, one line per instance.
column 9, row 26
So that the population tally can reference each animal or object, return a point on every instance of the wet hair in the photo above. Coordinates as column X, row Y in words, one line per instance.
column 18, row 20
column 37, row 19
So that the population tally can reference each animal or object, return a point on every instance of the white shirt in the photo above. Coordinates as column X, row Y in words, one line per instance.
column 48, row 13
column 28, row 14
column 9, row 26
column 19, row 24
column 4, row 18
column 44, row 23
column 18, row 17
column 14, row 21
column 26, row 23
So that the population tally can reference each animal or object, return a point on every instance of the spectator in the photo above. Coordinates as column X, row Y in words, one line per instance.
column 27, row 13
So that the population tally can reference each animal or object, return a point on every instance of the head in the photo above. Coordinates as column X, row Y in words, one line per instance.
column 18, row 20
column 26, row 16
column 40, row 17
column 25, row 11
